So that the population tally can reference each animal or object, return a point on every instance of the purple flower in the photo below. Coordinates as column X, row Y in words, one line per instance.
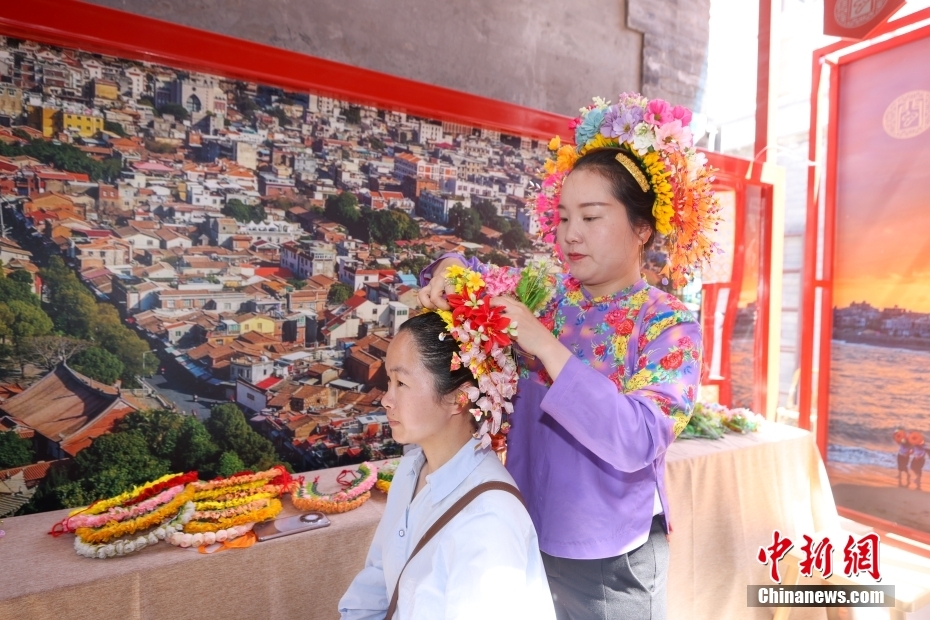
column 619, row 123
column 630, row 118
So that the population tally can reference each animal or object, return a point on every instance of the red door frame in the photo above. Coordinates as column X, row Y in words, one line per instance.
column 821, row 279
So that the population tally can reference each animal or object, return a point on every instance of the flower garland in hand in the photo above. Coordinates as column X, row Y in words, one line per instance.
column 485, row 336
column 354, row 495
column 662, row 158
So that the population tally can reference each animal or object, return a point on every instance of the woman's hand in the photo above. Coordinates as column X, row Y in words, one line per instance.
column 533, row 337
column 433, row 295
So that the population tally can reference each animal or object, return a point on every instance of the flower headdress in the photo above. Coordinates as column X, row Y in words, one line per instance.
column 663, row 159
column 485, row 337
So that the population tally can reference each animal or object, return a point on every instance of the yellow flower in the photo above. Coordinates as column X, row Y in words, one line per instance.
column 473, row 281
column 638, row 381
column 555, row 143
column 574, row 297
column 454, row 271
column 566, row 158
column 446, row 316
column 597, row 142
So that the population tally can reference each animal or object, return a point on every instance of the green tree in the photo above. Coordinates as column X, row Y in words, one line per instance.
column 23, row 277
column 116, row 128
column 229, row 464
column 413, row 265
column 161, row 429
column 231, row 433
column 283, row 119
column 176, row 110
column 242, row 212
column 515, row 239
column 465, row 222
column 28, row 320
column 196, row 450
column 112, row 464
column 339, row 293
column 353, row 115
column 110, row 333
column 387, row 226
column 14, row 450
column 98, row 364
column 343, row 209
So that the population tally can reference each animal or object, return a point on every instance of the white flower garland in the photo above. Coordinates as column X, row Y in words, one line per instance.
column 180, row 539
column 132, row 545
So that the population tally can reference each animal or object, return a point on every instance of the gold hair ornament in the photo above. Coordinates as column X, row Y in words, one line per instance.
column 634, row 170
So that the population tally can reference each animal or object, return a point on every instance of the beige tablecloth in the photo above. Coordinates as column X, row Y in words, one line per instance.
column 726, row 497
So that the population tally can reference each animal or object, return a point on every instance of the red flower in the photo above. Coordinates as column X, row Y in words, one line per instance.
column 625, row 328
column 664, row 403
column 544, row 377
column 617, row 377
column 689, row 393
column 614, row 317
column 672, row 360
column 571, row 284
column 675, row 304
column 548, row 322
column 643, row 342
column 599, row 350
column 685, row 342
column 642, row 361
column 494, row 323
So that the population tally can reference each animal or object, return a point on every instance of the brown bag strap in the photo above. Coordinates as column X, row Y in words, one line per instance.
column 447, row 516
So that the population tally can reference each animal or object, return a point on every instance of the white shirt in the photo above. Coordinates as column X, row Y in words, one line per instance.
column 484, row 564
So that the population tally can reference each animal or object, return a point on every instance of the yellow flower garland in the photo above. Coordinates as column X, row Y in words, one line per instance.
column 269, row 512
column 202, row 495
column 120, row 529
column 329, row 507
column 122, row 498
column 232, row 503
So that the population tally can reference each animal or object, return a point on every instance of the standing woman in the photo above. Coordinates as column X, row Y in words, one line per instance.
column 610, row 372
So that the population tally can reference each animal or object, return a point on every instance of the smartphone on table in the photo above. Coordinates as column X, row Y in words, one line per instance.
column 290, row 525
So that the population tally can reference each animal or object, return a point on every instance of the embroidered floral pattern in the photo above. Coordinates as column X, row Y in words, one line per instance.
column 640, row 338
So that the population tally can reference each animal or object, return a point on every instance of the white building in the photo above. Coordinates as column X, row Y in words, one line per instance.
column 436, row 206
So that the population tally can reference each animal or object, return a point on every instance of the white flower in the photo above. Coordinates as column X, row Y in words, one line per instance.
column 644, row 138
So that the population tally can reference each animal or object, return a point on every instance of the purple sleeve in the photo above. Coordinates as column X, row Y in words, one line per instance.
column 629, row 429
column 427, row 274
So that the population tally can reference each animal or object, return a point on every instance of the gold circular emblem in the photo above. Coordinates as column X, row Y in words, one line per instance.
column 908, row 115
column 853, row 13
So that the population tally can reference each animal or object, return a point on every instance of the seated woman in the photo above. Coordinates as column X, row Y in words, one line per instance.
column 485, row 562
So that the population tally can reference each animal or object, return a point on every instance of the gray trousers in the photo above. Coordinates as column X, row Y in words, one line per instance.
column 631, row 586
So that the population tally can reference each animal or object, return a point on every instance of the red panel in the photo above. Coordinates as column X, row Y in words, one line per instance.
column 98, row 29
column 839, row 19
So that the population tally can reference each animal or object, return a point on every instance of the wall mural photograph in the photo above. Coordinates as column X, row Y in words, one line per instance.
column 204, row 274
column 879, row 425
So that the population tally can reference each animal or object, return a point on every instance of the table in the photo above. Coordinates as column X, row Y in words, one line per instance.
column 726, row 497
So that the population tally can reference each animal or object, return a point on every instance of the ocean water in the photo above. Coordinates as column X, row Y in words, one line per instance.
column 874, row 390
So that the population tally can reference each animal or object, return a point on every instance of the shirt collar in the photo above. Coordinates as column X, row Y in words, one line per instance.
column 448, row 477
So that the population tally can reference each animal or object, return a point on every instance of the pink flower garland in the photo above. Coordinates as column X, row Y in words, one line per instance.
column 120, row 514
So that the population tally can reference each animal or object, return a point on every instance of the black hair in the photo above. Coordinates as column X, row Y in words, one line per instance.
column 623, row 186
column 436, row 354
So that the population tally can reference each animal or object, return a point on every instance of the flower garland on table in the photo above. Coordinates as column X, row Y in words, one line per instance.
column 485, row 336
column 117, row 529
column 386, row 476
column 356, row 493
column 713, row 420
column 654, row 143
column 239, row 500
column 121, row 504
column 132, row 545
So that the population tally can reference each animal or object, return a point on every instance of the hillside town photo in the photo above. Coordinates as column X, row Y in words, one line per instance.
column 202, row 273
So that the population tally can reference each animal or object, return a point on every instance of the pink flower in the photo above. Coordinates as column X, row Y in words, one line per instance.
column 658, row 112
column 683, row 114
column 672, row 135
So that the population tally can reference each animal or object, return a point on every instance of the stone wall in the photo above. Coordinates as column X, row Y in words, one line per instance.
column 545, row 55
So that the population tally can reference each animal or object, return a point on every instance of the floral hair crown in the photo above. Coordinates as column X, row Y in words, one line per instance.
column 485, row 337
column 657, row 136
